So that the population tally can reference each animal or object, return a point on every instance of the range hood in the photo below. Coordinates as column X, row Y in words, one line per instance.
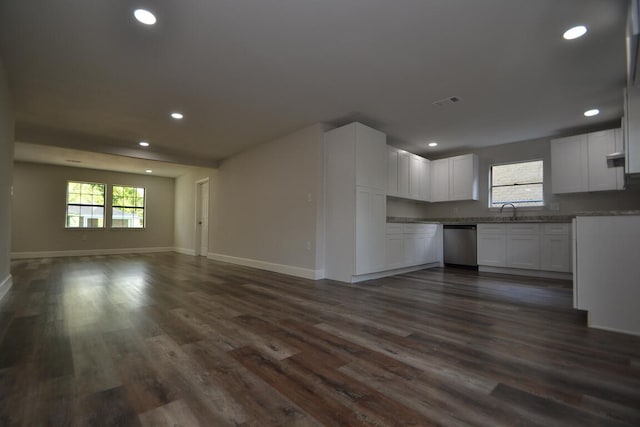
column 615, row 160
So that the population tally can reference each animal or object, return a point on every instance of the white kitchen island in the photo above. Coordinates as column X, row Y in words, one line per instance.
column 607, row 271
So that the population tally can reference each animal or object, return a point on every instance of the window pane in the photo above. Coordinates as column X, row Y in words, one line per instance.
column 517, row 173
column 128, row 207
column 517, row 183
column 85, row 205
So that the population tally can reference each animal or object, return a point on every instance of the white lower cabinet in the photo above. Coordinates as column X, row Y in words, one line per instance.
column 492, row 249
column 412, row 244
column 526, row 246
column 556, row 255
column 371, row 208
column 523, row 251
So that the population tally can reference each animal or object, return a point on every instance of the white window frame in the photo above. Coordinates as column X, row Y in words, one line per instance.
column 81, row 205
column 113, row 206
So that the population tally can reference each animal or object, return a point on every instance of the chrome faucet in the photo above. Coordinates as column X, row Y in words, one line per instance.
column 514, row 209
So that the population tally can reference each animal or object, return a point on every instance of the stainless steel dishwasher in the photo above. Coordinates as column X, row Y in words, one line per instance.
column 460, row 247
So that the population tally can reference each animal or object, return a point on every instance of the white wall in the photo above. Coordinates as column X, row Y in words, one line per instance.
column 39, row 204
column 268, row 207
column 6, row 163
column 184, row 236
column 569, row 204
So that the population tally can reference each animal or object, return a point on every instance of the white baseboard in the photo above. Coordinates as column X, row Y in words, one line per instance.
column 305, row 273
column 185, row 251
column 386, row 273
column 5, row 286
column 620, row 331
column 523, row 272
column 88, row 252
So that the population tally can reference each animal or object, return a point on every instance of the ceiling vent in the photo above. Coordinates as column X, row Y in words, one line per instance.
column 447, row 101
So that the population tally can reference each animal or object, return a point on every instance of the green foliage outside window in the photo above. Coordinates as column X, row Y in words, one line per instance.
column 127, row 207
column 85, row 205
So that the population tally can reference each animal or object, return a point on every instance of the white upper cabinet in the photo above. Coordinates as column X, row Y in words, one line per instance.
column 601, row 177
column 403, row 173
column 569, row 164
column 463, row 177
column 370, row 157
column 579, row 163
column 440, row 180
column 454, row 178
column 392, row 171
column 425, row 180
column 407, row 175
column 415, row 176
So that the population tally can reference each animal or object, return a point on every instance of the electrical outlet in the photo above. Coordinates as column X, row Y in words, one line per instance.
column 308, row 245
column 84, row 237
column 309, row 197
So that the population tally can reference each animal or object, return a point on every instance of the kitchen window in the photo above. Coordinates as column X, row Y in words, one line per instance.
column 127, row 207
column 85, row 205
column 518, row 183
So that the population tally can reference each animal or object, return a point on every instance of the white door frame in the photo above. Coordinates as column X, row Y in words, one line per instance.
column 198, row 200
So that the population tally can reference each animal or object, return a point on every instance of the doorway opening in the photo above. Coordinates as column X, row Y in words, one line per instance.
column 202, row 217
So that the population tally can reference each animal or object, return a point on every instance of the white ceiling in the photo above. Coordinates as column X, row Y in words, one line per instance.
column 86, row 75
column 47, row 154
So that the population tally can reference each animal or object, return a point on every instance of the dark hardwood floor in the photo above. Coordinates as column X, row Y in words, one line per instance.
column 168, row 339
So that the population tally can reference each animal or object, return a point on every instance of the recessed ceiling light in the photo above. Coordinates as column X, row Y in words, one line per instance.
column 590, row 113
column 143, row 143
column 433, row 144
column 575, row 32
column 144, row 16
column 148, row 170
column 177, row 116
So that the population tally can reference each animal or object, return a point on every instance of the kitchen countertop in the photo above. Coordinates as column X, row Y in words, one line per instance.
column 509, row 219
column 484, row 219
column 609, row 213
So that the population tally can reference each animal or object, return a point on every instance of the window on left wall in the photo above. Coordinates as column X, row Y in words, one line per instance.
column 85, row 205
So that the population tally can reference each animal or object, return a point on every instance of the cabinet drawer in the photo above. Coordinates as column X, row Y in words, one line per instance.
column 492, row 228
column 415, row 228
column 560, row 229
column 527, row 229
column 394, row 228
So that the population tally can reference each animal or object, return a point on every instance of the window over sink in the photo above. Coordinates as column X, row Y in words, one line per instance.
column 518, row 183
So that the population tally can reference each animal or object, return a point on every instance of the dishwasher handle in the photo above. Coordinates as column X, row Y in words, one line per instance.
column 459, row 227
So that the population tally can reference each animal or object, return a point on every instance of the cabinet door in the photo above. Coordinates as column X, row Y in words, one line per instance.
column 523, row 251
column 425, row 180
column 440, row 180
column 395, row 251
column 463, row 177
column 421, row 249
column 492, row 250
column 410, row 251
column 556, row 253
column 569, row 164
column 403, row 173
column 371, row 211
column 431, row 253
column 371, row 158
column 392, row 171
column 415, row 174
column 600, row 144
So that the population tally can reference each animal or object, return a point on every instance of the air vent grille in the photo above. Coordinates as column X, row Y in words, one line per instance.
column 447, row 101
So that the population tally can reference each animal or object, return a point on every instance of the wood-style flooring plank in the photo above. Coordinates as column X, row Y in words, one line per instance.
column 169, row 339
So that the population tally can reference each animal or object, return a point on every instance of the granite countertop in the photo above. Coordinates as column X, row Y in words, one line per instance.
column 509, row 219
column 484, row 219
column 608, row 213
